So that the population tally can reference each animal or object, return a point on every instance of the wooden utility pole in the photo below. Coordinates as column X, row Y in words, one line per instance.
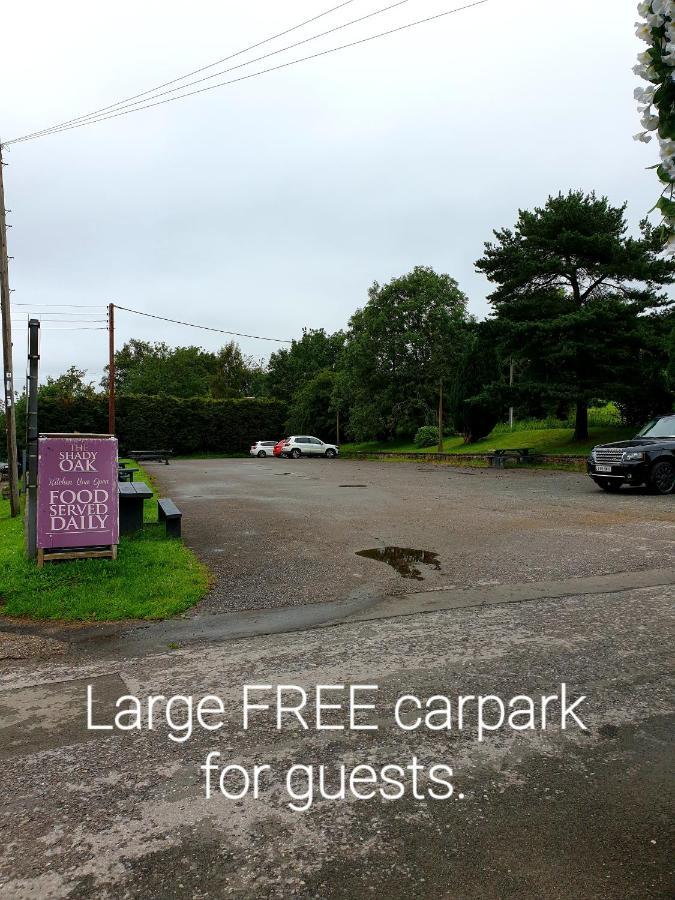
column 440, row 416
column 511, row 385
column 111, row 368
column 337, row 427
column 8, row 368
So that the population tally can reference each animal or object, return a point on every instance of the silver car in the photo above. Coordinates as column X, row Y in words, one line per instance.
column 262, row 448
column 304, row 445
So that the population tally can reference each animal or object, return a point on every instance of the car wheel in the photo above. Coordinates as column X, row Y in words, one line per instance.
column 662, row 477
column 612, row 487
column 330, row 453
column 261, row 454
column 295, row 453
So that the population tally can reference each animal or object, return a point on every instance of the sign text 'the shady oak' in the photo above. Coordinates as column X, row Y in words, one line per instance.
column 77, row 491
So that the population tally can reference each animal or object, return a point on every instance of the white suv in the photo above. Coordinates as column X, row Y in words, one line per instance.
column 262, row 448
column 297, row 446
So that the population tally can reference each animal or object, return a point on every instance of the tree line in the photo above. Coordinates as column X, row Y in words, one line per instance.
column 578, row 315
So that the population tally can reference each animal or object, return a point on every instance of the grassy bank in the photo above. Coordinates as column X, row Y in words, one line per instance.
column 152, row 578
column 550, row 440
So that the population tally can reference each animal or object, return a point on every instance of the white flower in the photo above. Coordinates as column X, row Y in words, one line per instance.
column 647, row 73
column 662, row 7
column 667, row 150
column 643, row 31
column 649, row 123
column 644, row 95
column 654, row 21
column 645, row 58
column 642, row 136
column 669, row 246
column 644, row 8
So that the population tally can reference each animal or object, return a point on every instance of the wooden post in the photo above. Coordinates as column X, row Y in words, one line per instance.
column 511, row 385
column 30, row 470
column 440, row 416
column 337, row 427
column 111, row 368
column 8, row 367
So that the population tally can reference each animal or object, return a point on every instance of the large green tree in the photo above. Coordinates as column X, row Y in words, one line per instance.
column 399, row 346
column 472, row 410
column 312, row 410
column 158, row 369
column 651, row 390
column 570, row 287
column 71, row 385
column 291, row 367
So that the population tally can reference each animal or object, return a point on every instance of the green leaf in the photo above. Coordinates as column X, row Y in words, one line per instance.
column 667, row 207
column 664, row 176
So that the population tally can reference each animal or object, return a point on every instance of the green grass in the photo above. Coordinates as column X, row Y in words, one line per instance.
column 153, row 576
column 555, row 441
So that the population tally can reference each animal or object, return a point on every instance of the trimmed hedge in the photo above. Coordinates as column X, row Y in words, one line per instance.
column 193, row 425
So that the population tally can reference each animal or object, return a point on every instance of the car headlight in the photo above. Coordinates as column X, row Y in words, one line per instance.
column 632, row 455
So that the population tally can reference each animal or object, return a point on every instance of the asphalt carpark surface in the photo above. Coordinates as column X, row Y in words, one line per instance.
column 552, row 814
column 286, row 532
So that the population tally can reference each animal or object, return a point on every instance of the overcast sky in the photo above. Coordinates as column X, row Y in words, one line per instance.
column 272, row 204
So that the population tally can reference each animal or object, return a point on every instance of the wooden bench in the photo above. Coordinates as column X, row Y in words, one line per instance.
column 125, row 473
column 168, row 512
column 150, row 455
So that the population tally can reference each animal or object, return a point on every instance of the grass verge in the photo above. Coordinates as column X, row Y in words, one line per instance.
column 153, row 577
column 552, row 440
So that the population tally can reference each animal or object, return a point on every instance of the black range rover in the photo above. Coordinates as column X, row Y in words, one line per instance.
column 649, row 458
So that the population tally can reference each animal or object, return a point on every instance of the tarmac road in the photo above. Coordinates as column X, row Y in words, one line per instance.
column 574, row 814
column 555, row 814
column 287, row 532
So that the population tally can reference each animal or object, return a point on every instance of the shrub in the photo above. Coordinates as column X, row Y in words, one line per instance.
column 426, row 436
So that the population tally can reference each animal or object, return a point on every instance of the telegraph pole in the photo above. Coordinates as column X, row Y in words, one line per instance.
column 8, row 369
column 111, row 368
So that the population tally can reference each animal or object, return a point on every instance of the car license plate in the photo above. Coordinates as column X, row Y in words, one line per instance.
column 603, row 468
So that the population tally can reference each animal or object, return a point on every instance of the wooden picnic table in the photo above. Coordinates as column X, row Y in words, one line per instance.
column 132, row 495
column 498, row 457
column 125, row 473
column 149, row 455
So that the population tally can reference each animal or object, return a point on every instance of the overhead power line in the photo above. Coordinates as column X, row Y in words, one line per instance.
column 285, row 65
column 53, row 327
column 217, row 62
column 61, row 321
column 124, row 105
column 257, row 337
column 45, row 305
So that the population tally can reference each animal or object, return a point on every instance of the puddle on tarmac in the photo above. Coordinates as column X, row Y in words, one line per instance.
column 352, row 485
column 403, row 559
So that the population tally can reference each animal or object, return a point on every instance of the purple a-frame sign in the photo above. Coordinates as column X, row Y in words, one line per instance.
column 78, row 499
